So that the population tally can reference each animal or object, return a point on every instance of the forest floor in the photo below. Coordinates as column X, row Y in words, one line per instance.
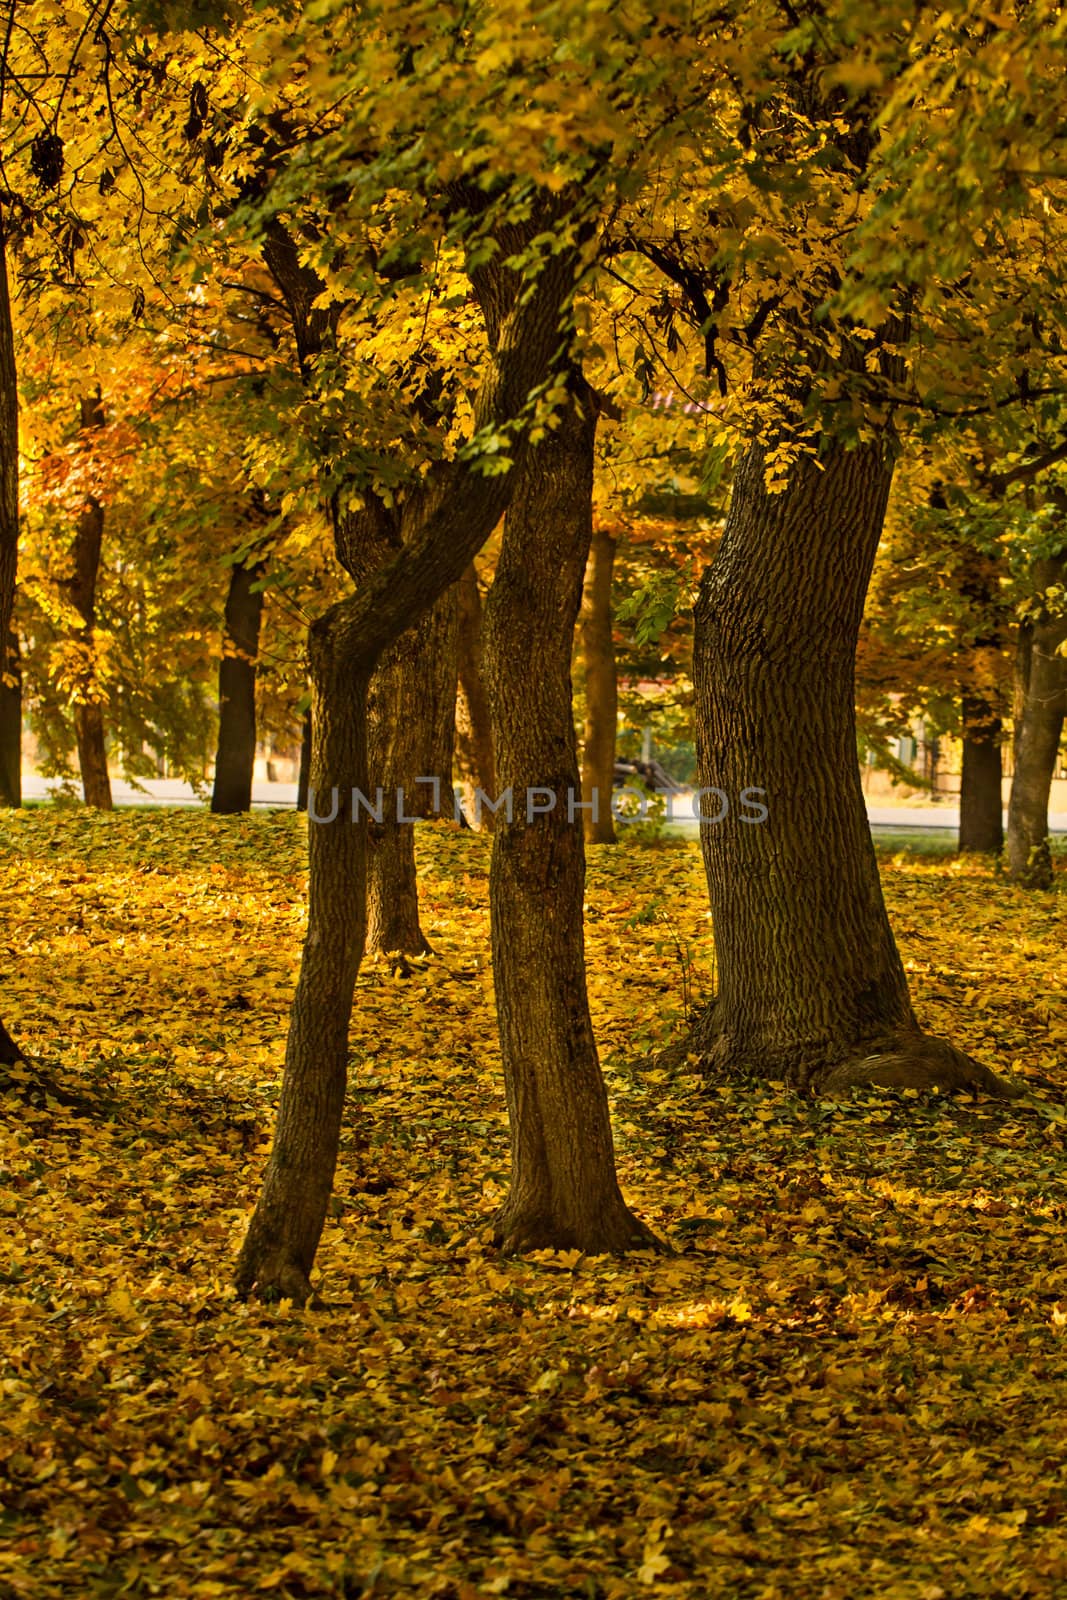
column 848, row 1382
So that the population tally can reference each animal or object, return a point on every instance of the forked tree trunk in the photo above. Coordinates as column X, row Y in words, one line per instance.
column 601, row 691
column 410, row 733
column 981, row 805
column 10, row 705
column 235, row 757
column 564, row 1193
column 11, row 724
column 89, row 728
column 811, row 988
column 452, row 516
column 475, row 766
column 1037, row 735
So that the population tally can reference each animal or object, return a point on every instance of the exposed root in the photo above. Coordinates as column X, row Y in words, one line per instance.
column 521, row 1229
column 917, row 1062
column 270, row 1276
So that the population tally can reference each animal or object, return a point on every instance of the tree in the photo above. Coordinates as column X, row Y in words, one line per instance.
column 236, row 753
column 10, row 700
column 601, row 690
column 1039, row 722
column 475, row 764
column 564, row 1193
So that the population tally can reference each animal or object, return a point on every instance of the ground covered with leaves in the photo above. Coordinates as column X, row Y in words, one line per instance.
column 848, row 1381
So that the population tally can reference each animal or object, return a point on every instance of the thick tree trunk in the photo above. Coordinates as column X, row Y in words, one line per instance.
column 11, row 724
column 10, row 700
column 981, row 806
column 564, row 1193
column 601, row 691
column 1037, row 736
column 811, row 988
column 9, row 1050
column 475, row 766
column 303, row 777
column 411, row 726
column 81, row 589
column 236, row 754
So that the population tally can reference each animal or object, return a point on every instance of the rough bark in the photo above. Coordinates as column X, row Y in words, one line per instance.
column 411, row 722
column 236, row 754
column 601, row 691
column 10, row 702
column 11, row 724
column 446, row 519
column 564, row 1193
column 811, row 987
column 981, row 806
column 1039, row 727
column 475, row 765
column 80, row 589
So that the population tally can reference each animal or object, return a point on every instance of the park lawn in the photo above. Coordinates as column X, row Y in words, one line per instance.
column 848, row 1381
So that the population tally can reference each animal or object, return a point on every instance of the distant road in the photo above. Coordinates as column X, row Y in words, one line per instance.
column 172, row 792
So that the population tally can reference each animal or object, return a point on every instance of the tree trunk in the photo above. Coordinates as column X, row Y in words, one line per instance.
column 449, row 515
column 81, row 590
column 601, row 691
column 303, row 777
column 9, row 1050
column 811, row 988
column 1037, row 736
column 236, row 754
column 11, row 725
column 409, row 737
column 475, row 766
column 981, row 806
column 564, row 1193
column 10, row 701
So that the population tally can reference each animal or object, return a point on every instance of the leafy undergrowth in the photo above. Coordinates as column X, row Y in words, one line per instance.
column 847, row 1382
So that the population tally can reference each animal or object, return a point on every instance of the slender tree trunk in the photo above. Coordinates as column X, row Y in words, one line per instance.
column 11, row 725
column 236, row 755
column 981, row 805
column 81, row 589
column 475, row 766
column 10, row 699
column 811, row 988
column 601, row 691
column 410, row 734
column 303, row 777
column 564, row 1193
column 1037, row 736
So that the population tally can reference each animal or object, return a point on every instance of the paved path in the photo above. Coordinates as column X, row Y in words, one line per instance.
column 172, row 792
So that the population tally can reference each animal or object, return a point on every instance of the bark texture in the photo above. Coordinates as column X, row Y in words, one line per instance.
column 601, row 690
column 10, row 700
column 236, row 753
column 80, row 588
column 981, row 806
column 474, row 761
column 1039, row 727
column 564, row 1193
column 437, row 527
column 811, row 987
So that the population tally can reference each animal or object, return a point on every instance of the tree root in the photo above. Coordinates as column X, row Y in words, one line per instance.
column 521, row 1229
column 270, row 1276
column 916, row 1062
